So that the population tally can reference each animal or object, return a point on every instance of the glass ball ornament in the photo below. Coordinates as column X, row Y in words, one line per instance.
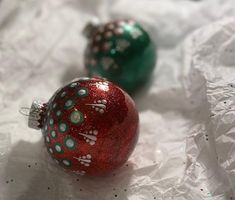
column 90, row 126
column 121, row 51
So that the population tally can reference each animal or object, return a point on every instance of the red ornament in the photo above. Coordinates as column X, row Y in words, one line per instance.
column 90, row 126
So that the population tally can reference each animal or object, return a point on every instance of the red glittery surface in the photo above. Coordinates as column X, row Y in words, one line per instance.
column 104, row 137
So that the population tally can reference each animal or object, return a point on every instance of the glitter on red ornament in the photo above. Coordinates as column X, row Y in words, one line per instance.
column 90, row 127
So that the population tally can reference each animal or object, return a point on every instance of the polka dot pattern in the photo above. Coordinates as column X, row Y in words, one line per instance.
column 58, row 148
column 70, row 143
column 55, row 127
column 76, row 117
column 71, row 137
column 63, row 127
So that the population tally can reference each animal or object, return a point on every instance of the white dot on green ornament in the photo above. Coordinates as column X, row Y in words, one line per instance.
column 66, row 162
column 63, row 127
column 54, row 105
column 58, row 148
column 76, row 117
column 70, row 143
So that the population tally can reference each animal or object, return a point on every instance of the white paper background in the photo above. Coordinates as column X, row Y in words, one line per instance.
column 186, row 149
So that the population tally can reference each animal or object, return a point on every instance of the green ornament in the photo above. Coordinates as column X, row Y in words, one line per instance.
column 121, row 51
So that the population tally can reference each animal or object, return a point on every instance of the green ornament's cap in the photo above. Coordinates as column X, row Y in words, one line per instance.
column 90, row 27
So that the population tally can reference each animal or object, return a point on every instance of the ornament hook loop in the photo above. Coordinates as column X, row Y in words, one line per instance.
column 24, row 111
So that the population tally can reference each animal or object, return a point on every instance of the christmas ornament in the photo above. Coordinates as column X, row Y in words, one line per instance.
column 121, row 51
column 90, row 126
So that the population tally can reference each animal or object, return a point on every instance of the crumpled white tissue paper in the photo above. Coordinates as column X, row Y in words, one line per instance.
column 187, row 113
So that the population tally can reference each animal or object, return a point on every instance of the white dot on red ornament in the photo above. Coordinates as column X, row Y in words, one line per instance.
column 104, row 101
column 95, row 132
column 88, row 156
column 47, row 139
column 119, row 31
column 58, row 148
column 70, row 143
column 50, row 150
column 108, row 34
column 68, row 103
column 62, row 127
column 63, row 94
column 53, row 134
column 76, row 117
column 66, row 162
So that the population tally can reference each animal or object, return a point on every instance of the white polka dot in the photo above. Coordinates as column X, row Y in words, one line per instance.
column 69, row 103
column 50, row 150
column 76, row 117
column 58, row 148
column 82, row 92
column 47, row 139
column 63, row 94
column 73, row 84
column 70, row 143
column 63, row 127
column 66, row 162
column 53, row 134
column 88, row 156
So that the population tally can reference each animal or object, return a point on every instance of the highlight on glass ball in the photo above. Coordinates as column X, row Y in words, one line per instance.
column 90, row 126
column 121, row 51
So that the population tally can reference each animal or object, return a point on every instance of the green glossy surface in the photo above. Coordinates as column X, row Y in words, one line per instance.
column 130, row 59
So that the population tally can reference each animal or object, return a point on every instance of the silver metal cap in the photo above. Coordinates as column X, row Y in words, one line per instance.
column 90, row 27
column 35, row 114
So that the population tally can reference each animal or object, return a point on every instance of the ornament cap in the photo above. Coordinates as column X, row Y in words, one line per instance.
column 90, row 27
column 36, row 114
